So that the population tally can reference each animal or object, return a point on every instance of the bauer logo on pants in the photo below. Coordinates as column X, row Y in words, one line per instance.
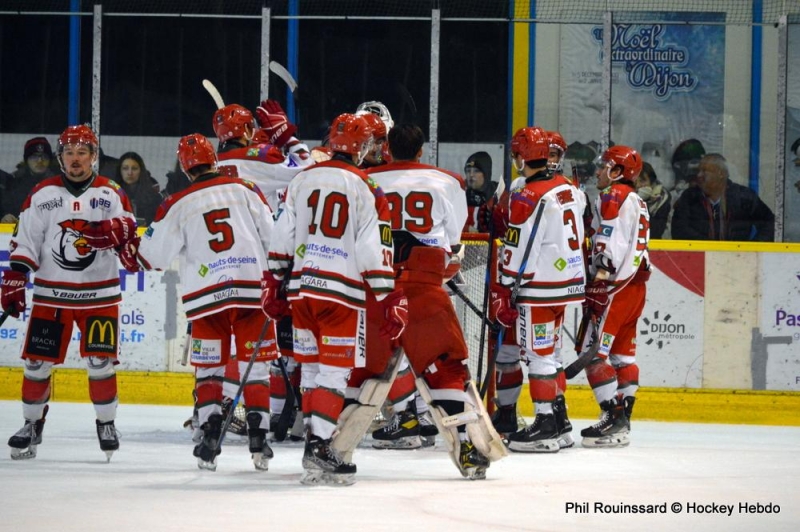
column 101, row 335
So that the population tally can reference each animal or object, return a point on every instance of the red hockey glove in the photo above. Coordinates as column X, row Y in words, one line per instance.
column 273, row 120
column 493, row 215
column 596, row 297
column 273, row 301
column 129, row 255
column 395, row 310
column 12, row 292
column 110, row 233
column 504, row 313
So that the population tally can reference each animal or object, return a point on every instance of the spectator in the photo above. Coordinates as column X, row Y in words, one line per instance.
column 176, row 181
column 685, row 163
column 34, row 168
column 480, row 187
column 107, row 165
column 658, row 200
column 719, row 209
column 139, row 185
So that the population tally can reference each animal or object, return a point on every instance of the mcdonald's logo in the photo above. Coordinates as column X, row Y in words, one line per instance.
column 512, row 236
column 102, row 334
column 386, row 235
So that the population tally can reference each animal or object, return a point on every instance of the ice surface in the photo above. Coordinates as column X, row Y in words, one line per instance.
column 153, row 483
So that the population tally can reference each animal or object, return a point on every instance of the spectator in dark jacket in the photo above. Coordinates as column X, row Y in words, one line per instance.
column 35, row 167
column 719, row 209
column 134, row 178
column 480, row 187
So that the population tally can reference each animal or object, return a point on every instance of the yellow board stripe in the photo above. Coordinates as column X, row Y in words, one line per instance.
column 653, row 404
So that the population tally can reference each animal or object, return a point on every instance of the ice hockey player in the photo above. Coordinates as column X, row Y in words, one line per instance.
column 429, row 209
column 616, row 295
column 380, row 120
column 542, row 258
column 220, row 226
column 67, row 232
column 333, row 241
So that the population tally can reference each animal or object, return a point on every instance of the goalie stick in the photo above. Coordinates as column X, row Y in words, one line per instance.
column 514, row 293
column 214, row 93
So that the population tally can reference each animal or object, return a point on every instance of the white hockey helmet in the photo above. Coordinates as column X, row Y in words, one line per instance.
column 377, row 108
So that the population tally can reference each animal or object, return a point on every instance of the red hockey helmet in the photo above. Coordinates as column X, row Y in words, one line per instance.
column 350, row 134
column 555, row 140
column 81, row 134
column 194, row 150
column 530, row 143
column 232, row 121
column 375, row 122
column 625, row 157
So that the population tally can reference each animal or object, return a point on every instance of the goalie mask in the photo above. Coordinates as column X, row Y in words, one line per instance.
column 530, row 144
column 233, row 121
column 557, row 148
column 351, row 134
column 377, row 108
column 195, row 150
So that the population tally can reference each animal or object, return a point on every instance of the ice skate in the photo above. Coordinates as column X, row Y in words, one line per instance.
column 611, row 431
column 540, row 436
column 260, row 450
column 108, row 437
column 402, row 432
column 563, row 425
column 323, row 466
column 504, row 419
column 208, row 449
column 23, row 444
column 471, row 463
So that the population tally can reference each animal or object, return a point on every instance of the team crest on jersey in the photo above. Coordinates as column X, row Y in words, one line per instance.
column 252, row 152
column 605, row 230
column 71, row 251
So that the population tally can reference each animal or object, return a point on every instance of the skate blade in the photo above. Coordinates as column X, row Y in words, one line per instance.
column 207, row 466
column 428, row 441
column 109, row 454
column 405, row 444
column 474, row 473
column 318, row 477
column 23, row 454
column 565, row 441
column 260, row 461
column 610, row 441
column 540, row 446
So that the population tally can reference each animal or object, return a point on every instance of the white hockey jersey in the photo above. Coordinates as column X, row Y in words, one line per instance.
column 48, row 239
column 621, row 233
column 333, row 231
column 427, row 202
column 266, row 166
column 220, row 227
column 554, row 272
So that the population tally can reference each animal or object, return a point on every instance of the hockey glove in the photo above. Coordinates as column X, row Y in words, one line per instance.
column 504, row 313
column 493, row 216
column 111, row 233
column 596, row 297
column 12, row 292
column 273, row 300
column 395, row 310
column 129, row 255
column 273, row 120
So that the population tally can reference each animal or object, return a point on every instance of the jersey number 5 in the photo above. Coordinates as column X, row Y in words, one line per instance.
column 216, row 225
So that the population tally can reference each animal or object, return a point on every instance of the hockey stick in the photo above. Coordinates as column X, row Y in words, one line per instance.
column 501, row 187
column 288, row 406
column 5, row 316
column 242, row 383
column 214, row 93
column 587, row 356
column 514, row 293
column 187, row 345
column 457, row 291
column 280, row 71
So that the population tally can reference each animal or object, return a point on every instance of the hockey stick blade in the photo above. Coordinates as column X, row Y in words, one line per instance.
column 282, row 427
column 214, row 93
column 280, row 71
column 582, row 361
